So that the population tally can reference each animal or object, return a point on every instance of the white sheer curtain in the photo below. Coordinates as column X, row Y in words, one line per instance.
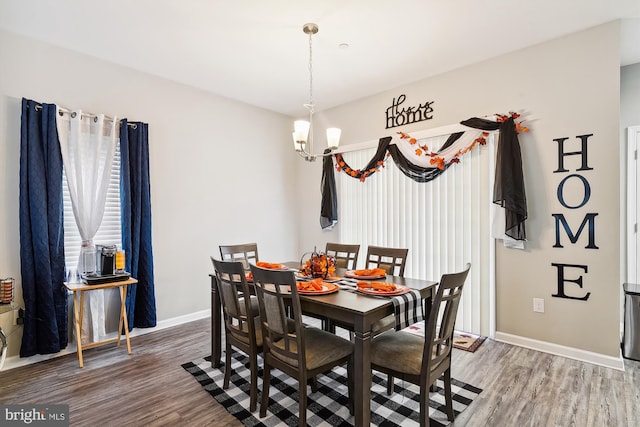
column 444, row 223
column 88, row 143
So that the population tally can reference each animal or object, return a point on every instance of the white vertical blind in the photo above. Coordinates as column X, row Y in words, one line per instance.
column 445, row 223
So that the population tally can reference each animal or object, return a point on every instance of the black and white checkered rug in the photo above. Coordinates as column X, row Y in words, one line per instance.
column 328, row 406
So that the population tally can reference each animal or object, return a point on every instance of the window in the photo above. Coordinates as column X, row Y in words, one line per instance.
column 444, row 223
column 109, row 233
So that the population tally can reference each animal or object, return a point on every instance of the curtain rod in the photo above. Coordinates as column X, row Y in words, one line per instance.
column 428, row 133
column 94, row 116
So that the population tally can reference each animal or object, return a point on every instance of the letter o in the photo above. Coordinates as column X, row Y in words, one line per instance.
column 587, row 191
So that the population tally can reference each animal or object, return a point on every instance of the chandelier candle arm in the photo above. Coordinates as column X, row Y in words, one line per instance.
column 303, row 130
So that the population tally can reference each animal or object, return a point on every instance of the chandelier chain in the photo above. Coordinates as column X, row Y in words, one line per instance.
column 311, row 103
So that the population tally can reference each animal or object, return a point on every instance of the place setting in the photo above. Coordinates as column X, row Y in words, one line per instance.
column 270, row 266
column 317, row 286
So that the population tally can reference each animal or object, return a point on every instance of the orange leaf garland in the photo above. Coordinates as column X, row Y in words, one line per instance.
column 440, row 160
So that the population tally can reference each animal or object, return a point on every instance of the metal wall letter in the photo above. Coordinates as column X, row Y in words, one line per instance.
column 397, row 116
column 562, row 279
column 561, row 222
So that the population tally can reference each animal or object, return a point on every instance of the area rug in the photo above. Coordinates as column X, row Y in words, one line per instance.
column 461, row 340
column 327, row 406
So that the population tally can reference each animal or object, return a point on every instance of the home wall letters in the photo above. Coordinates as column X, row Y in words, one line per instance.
column 573, row 273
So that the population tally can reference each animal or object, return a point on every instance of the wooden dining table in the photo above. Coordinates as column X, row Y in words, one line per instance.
column 353, row 309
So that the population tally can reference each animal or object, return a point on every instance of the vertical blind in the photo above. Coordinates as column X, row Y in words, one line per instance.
column 444, row 223
column 109, row 233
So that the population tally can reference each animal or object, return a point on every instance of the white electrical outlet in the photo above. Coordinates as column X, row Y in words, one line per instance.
column 16, row 313
column 538, row 305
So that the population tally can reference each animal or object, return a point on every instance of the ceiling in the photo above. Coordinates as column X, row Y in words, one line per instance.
column 255, row 51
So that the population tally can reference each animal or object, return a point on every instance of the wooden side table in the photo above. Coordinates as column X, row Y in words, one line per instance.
column 78, row 290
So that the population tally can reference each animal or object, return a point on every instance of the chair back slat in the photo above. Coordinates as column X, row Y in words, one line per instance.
column 346, row 256
column 392, row 260
column 246, row 253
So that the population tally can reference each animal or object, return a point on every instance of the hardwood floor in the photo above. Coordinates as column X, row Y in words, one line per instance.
column 521, row 387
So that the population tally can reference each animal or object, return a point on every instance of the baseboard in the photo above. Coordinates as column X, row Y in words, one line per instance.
column 561, row 350
column 17, row 361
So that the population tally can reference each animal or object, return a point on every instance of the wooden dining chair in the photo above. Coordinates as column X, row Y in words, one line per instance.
column 346, row 256
column 423, row 360
column 302, row 352
column 241, row 324
column 246, row 253
column 393, row 260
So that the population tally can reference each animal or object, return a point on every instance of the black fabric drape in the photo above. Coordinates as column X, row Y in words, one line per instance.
column 41, row 232
column 371, row 167
column 508, row 188
column 482, row 124
column 415, row 172
column 329, row 204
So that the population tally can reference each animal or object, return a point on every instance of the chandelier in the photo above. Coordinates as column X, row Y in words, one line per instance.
column 303, row 129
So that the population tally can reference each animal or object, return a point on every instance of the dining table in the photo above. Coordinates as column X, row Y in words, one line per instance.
column 346, row 307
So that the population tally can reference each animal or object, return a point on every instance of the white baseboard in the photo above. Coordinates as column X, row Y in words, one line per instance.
column 17, row 361
column 561, row 350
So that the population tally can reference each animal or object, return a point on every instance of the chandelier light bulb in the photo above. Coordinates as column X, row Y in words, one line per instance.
column 333, row 138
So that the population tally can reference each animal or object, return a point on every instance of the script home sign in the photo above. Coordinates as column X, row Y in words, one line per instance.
column 398, row 115
column 573, row 273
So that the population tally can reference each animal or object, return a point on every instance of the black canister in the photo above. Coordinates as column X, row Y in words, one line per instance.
column 107, row 260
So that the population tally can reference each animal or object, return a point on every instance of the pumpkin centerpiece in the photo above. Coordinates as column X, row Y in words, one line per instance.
column 318, row 265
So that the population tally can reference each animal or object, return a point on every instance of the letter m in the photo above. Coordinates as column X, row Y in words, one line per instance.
column 588, row 219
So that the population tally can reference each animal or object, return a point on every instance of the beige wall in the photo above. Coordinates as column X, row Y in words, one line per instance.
column 210, row 171
column 565, row 87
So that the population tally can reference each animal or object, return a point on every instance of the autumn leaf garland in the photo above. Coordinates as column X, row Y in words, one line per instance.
column 436, row 160
column 362, row 175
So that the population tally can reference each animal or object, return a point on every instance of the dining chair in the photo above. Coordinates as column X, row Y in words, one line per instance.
column 246, row 253
column 423, row 360
column 241, row 324
column 393, row 260
column 302, row 352
column 346, row 256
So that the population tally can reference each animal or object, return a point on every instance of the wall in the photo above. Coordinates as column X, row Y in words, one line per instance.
column 210, row 171
column 563, row 88
column 629, row 96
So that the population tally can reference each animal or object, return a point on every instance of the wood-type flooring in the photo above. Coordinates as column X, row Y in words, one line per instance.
column 149, row 387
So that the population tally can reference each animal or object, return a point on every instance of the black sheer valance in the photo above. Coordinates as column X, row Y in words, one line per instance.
column 508, row 190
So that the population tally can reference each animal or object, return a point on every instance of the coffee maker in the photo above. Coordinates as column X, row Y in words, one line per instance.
column 105, row 260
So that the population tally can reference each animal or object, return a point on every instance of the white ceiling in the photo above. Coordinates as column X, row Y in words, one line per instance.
column 255, row 50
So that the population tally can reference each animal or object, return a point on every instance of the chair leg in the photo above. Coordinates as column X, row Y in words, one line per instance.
column 266, row 379
column 350, row 384
column 424, row 408
column 302, row 401
column 227, row 367
column 389, row 384
column 314, row 384
column 447, row 394
column 253, row 393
